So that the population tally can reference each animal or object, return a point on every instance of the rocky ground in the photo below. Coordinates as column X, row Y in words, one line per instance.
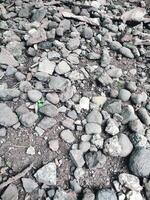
column 74, row 100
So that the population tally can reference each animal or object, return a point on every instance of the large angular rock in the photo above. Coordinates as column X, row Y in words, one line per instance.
column 139, row 162
column 7, row 116
column 36, row 36
column 11, row 193
column 7, row 58
column 130, row 181
column 47, row 174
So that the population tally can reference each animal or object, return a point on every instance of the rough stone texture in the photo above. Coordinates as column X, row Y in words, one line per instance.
column 77, row 157
column 67, row 136
column 106, row 194
column 9, row 94
column 7, row 58
column 49, row 110
column 7, row 116
column 28, row 119
column 130, row 181
column 139, row 162
column 29, row 184
column 11, row 193
column 47, row 174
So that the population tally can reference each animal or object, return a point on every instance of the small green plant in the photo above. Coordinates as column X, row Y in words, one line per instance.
column 38, row 105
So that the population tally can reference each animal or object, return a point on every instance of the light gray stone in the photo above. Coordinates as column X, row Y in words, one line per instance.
column 7, row 116
column 7, row 58
column 77, row 157
column 62, row 68
column 67, row 136
column 9, row 94
column 28, row 119
column 11, row 193
column 34, row 95
column 47, row 66
column 49, row 110
column 29, row 184
column 47, row 174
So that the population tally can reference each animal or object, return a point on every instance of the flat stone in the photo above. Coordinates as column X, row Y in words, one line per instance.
column 47, row 123
column 52, row 98
column 47, row 66
column 7, row 58
column 7, row 116
column 49, row 110
column 11, row 193
column 114, row 72
column 73, row 44
column 95, row 159
column 9, row 94
column 84, row 103
column 105, row 79
column 94, row 117
column 29, row 184
column 42, row 76
column 77, row 157
column 93, row 128
column 106, row 194
column 113, row 106
column 59, row 83
column 67, row 136
column 68, row 123
column 62, row 68
column 36, row 36
column 25, row 86
column 47, row 174
column 73, row 59
column 124, row 95
column 34, row 95
column 39, row 14
column 53, row 145
column 28, row 119
column 99, row 100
